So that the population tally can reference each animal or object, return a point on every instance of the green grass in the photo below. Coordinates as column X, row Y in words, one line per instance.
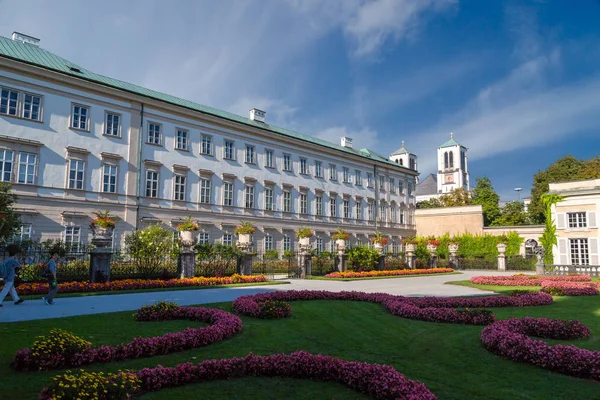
column 448, row 358
column 380, row 277
column 495, row 288
column 169, row 289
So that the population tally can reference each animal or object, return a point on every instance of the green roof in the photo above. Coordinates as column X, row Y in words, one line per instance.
column 450, row 143
column 39, row 57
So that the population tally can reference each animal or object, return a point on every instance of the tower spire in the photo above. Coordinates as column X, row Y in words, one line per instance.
column 451, row 135
column 403, row 144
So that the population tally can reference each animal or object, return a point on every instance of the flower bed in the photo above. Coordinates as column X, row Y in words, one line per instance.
column 397, row 272
column 510, row 339
column 434, row 309
column 376, row 380
column 526, row 280
column 570, row 288
column 92, row 385
column 132, row 284
column 223, row 326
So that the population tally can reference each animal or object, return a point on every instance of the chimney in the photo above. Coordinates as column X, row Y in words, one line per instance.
column 257, row 115
column 346, row 142
column 21, row 37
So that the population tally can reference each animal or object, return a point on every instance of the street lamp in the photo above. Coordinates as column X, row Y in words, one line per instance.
column 518, row 190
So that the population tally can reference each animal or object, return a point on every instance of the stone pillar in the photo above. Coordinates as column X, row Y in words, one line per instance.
column 304, row 258
column 187, row 263
column 381, row 263
column 540, row 268
column 244, row 266
column 100, row 259
column 432, row 257
column 410, row 255
column 342, row 262
column 453, row 260
column 501, row 256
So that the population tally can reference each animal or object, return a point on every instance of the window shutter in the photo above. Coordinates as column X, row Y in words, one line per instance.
column 563, row 257
column 593, row 242
column 591, row 217
column 560, row 221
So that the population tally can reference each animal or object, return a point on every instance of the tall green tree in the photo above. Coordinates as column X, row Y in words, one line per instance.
column 9, row 219
column 512, row 214
column 455, row 198
column 485, row 195
column 567, row 168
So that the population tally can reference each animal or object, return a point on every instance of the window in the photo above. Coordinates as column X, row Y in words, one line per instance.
column 250, row 154
column 287, row 201
column 451, row 158
column 382, row 213
column 249, row 191
column 463, row 160
column 381, row 183
column 228, row 194
column 413, row 164
column 206, row 145
column 269, row 159
column 268, row 242
column 6, row 165
column 109, row 178
column 287, row 243
column 76, row 168
column 112, row 124
column 203, row 238
column 392, row 185
column 332, row 173
column 393, row 214
column 8, row 101
column 394, row 247
column 332, row 207
column 181, row 139
column 580, row 254
column 152, row 184
column 320, row 244
column 154, row 133
column 577, row 220
column 347, row 210
column 319, row 205
column 369, row 179
column 73, row 237
column 400, row 187
column 357, row 178
column 27, row 164
column 32, row 107
column 358, row 210
column 409, row 188
column 318, row 169
column 303, row 166
column 179, row 189
column 269, row 199
column 287, row 162
column 371, row 211
column 79, row 117
column 228, row 239
column 229, row 150
column 205, row 191
column 402, row 217
column 23, row 234
column 346, row 174
column 303, row 203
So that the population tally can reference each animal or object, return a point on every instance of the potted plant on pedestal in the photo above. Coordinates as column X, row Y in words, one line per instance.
column 432, row 245
column 187, row 231
column 410, row 244
column 340, row 236
column 103, row 225
column 243, row 231
column 304, row 234
column 378, row 240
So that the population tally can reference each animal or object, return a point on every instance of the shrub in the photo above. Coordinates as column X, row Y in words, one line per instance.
column 271, row 309
column 92, row 385
column 289, row 254
column 271, row 254
column 149, row 247
column 162, row 307
column 362, row 258
column 58, row 341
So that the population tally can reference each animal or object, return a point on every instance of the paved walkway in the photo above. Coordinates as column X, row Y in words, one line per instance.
column 70, row 306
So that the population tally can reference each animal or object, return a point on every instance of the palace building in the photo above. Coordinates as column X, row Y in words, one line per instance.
column 73, row 142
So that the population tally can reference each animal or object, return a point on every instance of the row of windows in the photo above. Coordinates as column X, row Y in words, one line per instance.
column 449, row 159
column 20, row 104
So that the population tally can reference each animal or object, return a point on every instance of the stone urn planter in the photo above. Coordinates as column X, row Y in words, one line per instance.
column 187, row 238
column 378, row 247
column 305, row 241
column 501, row 248
column 340, row 244
column 431, row 248
column 453, row 248
column 244, row 238
column 101, row 233
column 411, row 248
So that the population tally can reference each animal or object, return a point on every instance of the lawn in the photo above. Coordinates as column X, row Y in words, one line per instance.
column 448, row 358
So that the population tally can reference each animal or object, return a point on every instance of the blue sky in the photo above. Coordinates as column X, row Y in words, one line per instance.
column 518, row 82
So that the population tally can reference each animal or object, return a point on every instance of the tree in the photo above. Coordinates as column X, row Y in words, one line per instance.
column 149, row 248
column 454, row 198
column 485, row 196
column 512, row 214
column 9, row 219
column 591, row 169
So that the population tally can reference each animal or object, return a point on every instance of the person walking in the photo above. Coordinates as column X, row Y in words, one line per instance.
column 9, row 281
column 52, row 283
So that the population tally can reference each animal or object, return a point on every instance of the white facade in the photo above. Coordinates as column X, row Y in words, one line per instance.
column 576, row 221
column 96, row 147
column 453, row 171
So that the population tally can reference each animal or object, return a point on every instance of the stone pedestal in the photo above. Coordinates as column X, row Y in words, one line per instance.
column 245, row 264
column 432, row 256
column 187, row 263
column 342, row 260
column 453, row 260
column 100, row 265
column 381, row 263
column 540, row 268
column 410, row 255
column 304, row 264
column 501, row 256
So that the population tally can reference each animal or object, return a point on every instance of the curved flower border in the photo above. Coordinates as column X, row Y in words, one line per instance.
column 433, row 309
column 132, row 284
column 526, row 280
column 377, row 380
column 510, row 338
column 570, row 288
column 367, row 274
column 223, row 326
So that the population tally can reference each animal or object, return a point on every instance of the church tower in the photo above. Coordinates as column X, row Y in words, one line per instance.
column 453, row 171
column 405, row 158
